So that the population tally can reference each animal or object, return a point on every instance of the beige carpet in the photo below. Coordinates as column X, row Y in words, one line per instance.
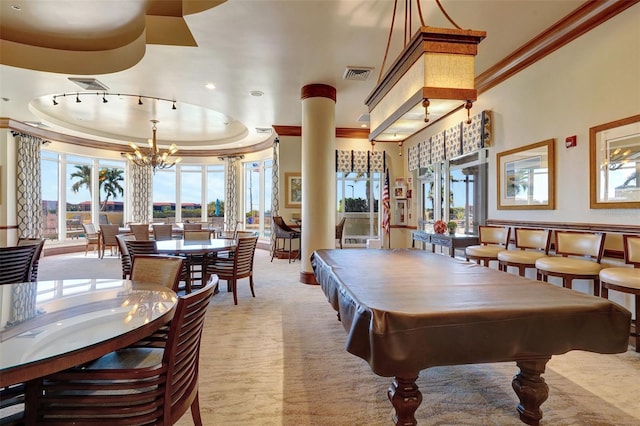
column 279, row 359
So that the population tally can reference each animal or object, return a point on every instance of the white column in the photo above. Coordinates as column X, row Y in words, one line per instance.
column 318, row 173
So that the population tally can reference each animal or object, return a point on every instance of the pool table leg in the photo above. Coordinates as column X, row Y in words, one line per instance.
column 531, row 389
column 405, row 398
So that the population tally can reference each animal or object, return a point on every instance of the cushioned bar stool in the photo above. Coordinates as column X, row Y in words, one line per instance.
column 493, row 240
column 531, row 245
column 626, row 280
column 578, row 257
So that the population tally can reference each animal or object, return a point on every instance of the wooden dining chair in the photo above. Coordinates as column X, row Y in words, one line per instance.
column 239, row 265
column 108, row 238
column 91, row 237
column 140, row 230
column 197, row 235
column 16, row 263
column 162, row 231
column 135, row 385
column 125, row 257
column 192, row 226
column 157, row 269
column 144, row 247
column 39, row 243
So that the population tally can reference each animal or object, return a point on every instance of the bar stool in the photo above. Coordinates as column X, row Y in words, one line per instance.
column 624, row 279
column 531, row 245
column 578, row 257
column 493, row 240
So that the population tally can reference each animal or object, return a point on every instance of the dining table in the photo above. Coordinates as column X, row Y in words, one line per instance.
column 52, row 325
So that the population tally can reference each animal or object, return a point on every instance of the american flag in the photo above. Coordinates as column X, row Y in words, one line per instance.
column 386, row 204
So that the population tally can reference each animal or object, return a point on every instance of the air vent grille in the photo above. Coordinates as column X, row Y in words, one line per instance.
column 357, row 73
column 264, row 129
column 89, row 83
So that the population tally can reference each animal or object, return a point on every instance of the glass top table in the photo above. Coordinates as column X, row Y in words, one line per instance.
column 49, row 326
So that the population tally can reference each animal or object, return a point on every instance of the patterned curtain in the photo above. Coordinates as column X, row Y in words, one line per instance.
column 425, row 153
column 142, row 193
column 231, row 191
column 275, row 192
column 453, row 141
column 359, row 161
column 437, row 148
column 29, row 202
column 477, row 134
column 414, row 157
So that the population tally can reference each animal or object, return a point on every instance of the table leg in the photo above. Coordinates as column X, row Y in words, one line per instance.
column 405, row 398
column 531, row 389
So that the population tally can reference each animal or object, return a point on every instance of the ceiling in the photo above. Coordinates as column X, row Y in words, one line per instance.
column 169, row 50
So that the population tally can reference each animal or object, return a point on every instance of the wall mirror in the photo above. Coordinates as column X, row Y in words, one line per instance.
column 614, row 153
column 526, row 177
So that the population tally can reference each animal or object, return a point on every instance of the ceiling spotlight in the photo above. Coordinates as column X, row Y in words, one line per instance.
column 210, row 86
column 78, row 98
column 256, row 93
column 139, row 100
column 174, row 105
column 54, row 101
column 104, row 99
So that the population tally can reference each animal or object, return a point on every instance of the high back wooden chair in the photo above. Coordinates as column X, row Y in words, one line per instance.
column 192, row 226
column 125, row 257
column 91, row 237
column 162, row 231
column 140, row 230
column 493, row 240
column 626, row 279
column 16, row 263
column 531, row 245
column 108, row 238
column 157, row 269
column 578, row 256
column 39, row 243
column 197, row 235
column 239, row 265
column 138, row 247
column 136, row 385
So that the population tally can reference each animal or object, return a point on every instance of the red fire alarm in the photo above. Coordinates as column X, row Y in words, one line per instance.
column 570, row 141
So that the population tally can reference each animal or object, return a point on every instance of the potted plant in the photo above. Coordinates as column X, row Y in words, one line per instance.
column 452, row 226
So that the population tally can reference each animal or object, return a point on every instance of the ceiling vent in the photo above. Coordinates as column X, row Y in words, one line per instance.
column 357, row 73
column 264, row 129
column 89, row 83
column 364, row 118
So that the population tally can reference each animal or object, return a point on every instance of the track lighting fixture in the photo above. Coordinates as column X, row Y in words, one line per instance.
column 106, row 95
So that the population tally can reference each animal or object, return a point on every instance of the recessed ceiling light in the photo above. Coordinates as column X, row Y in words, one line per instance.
column 256, row 93
column 210, row 86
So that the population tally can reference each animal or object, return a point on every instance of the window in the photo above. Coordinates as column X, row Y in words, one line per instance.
column 257, row 203
column 164, row 196
column 465, row 192
column 357, row 201
column 190, row 193
column 49, row 163
column 215, row 195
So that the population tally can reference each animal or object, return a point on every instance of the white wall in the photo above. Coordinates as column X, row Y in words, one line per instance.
column 591, row 81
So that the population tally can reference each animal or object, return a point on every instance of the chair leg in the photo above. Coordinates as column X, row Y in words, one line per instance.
column 195, row 411
column 596, row 287
column 637, row 332
column 251, row 285
column 234, row 288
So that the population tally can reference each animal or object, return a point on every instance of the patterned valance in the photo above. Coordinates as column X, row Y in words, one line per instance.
column 359, row 161
column 458, row 140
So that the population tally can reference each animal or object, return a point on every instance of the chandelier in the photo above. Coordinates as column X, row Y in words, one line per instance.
column 434, row 75
column 153, row 157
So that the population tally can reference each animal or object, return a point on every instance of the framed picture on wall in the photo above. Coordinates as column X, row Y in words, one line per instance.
column 526, row 177
column 293, row 190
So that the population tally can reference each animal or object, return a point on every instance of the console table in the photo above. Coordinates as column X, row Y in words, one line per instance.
column 452, row 241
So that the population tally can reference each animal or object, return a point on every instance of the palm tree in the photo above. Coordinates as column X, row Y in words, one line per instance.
column 109, row 181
